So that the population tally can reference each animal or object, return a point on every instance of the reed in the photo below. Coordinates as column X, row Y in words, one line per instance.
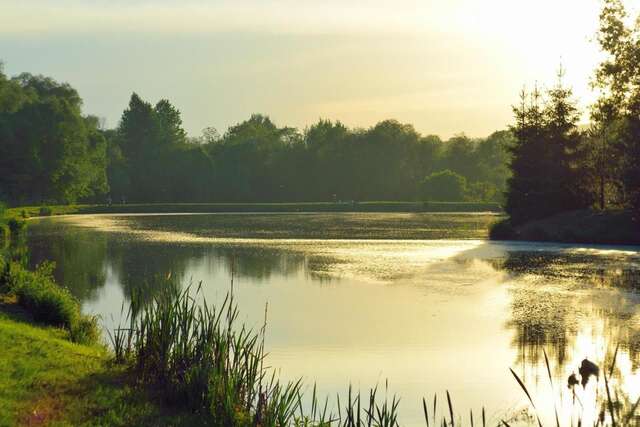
column 199, row 356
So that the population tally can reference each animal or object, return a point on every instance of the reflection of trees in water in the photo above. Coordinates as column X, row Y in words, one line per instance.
column 257, row 262
column 610, row 271
column 541, row 320
column 143, row 267
column 556, row 292
column 85, row 258
column 80, row 259
column 553, row 294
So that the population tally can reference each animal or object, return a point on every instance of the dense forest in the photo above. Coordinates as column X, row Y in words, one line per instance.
column 51, row 153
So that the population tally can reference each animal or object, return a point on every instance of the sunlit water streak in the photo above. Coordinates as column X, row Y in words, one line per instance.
column 430, row 315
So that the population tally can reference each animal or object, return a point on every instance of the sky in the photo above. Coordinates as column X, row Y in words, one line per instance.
column 445, row 66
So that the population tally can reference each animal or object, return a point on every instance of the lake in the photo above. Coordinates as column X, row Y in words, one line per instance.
column 421, row 300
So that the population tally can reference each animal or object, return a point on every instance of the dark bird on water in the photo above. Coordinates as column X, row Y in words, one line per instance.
column 588, row 368
column 572, row 381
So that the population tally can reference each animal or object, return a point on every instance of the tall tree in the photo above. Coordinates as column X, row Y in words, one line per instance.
column 49, row 152
column 547, row 157
column 618, row 77
column 150, row 138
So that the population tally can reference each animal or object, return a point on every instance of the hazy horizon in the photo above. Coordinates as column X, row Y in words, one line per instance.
column 445, row 67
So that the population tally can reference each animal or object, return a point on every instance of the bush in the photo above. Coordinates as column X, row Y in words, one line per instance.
column 45, row 211
column 43, row 298
column 48, row 302
column 502, row 230
column 16, row 226
column 4, row 235
column 444, row 186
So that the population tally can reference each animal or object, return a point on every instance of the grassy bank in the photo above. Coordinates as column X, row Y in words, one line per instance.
column 30, row 211
column 47, row 380
column 583, row 226
column 178, row 362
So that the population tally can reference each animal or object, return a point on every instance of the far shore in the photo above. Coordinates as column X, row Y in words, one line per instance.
column 343, row 206
column 611, row 227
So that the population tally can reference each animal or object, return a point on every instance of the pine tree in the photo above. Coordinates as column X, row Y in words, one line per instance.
column 546, row 157
column 524, row 191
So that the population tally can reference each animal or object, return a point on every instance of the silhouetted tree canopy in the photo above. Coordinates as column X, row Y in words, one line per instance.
column 617, row 112
column 52, row 153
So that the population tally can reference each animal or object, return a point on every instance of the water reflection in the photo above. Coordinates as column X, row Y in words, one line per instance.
column 429, row 315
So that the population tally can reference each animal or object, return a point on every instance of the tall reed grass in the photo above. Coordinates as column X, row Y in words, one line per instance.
column 199, row 356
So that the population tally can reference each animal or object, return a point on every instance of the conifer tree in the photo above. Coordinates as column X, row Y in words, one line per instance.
column 547, row 156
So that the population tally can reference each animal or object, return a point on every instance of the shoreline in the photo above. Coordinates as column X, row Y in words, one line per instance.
column 300, row 207
column 613, row 227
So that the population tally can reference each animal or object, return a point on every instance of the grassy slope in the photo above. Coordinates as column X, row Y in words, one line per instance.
column 47, row 380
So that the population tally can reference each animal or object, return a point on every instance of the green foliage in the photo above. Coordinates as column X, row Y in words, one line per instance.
column 617, row 111
column 149, row 158
column 46, row 301
column 86, row 330
column 256, row 160
column 76, row 385
column 45, row 211
column 16, row 226
column 48, row 150
column 197, row 357
column 42, row 297
column 4, row 235
column 444, row 186
column 548, row 157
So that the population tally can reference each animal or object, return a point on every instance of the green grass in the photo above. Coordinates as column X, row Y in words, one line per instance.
column 47, row 380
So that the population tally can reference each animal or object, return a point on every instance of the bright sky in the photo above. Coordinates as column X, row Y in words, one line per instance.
column 446, row 66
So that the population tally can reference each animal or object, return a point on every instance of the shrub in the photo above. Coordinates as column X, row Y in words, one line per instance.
column 16, row 226
column 45, row 211
column 4, row 235
column 444, row 186
column 44, row 299
column 502, row 230
column 48, row 302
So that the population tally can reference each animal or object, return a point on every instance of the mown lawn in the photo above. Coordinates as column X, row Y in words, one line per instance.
column 47, row 380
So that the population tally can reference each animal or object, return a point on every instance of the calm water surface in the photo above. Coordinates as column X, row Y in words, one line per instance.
column 423, row 300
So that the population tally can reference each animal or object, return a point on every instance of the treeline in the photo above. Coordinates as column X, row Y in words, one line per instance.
column 558, row 167
column 50, row 152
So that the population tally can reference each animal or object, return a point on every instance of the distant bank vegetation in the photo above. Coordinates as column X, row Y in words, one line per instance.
column 50, row 153
column 544, row 164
